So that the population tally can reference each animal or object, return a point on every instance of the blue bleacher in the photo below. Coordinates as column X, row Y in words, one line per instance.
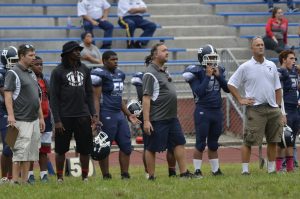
column 251, row 36
column 214, row 3
column 52, row 27
column 227, row 14
column 56, row 16
column 254, row 25
column 160, row 38
column 43, row 4
column 116, row 50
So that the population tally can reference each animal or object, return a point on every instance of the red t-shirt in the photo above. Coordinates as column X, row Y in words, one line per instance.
column 45, row 100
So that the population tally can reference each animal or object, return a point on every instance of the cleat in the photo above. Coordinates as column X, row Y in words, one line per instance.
column 217, row 173
column 125, row 176
column 152, row 178
column 198, row 173
column 107, row 176
column 245, row 173
column 186, row 175
column 31, row 179
column 45, row 179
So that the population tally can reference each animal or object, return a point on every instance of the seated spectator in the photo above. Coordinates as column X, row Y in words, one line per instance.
column 276, row 31
column 130, row 18
column 90, row 53
column 95, row 13
column 289, row 3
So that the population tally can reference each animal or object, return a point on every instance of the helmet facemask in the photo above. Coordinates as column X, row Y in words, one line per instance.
column 12, row 61
column 212, row 59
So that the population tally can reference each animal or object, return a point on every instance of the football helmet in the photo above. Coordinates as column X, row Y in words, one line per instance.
column 101, row 145
column 287, row 138
column 208, row 55
column 9, row 57
column 135, row 107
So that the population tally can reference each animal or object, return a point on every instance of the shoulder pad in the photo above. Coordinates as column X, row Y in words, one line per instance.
column 137, row 79
column 98, row 72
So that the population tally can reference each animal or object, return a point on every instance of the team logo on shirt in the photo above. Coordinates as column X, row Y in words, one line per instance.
column 75, row 79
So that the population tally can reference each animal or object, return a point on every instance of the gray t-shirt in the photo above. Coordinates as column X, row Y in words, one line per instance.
column 156, row 83
column 92, row 50
column 23, row 83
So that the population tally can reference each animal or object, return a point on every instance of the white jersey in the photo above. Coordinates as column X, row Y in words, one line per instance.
column 125, row 5
column 92, row 8
column 260, row 81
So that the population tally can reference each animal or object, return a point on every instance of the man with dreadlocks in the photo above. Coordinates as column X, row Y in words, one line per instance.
column 72, row 107
column 161, row 125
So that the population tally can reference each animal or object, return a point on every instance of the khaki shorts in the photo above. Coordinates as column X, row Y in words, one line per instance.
column 262, row 120
column 28, row 141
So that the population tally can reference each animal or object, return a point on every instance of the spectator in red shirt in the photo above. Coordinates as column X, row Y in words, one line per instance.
column 276, row 31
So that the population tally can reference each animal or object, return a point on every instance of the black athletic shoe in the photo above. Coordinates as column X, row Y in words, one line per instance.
column 172, row 173
column 217, row 173
column 186, row 174
column 198, row 174
column 125, row 176
column 151, row 178
column 107, row 176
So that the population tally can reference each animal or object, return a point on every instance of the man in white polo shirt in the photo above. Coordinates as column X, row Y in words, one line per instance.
column 262, row 99
column 95, row 13
column 130, row 17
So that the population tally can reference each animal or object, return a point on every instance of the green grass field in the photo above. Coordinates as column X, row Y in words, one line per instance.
column 232, row 185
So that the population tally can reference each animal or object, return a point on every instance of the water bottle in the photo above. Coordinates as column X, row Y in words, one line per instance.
column 69, row 22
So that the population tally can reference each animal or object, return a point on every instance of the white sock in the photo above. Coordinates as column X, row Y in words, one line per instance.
column 197, row 164
column 214, row 163
column 43, row 173
column 271, row 166
column 30, row 173
column 245, row 167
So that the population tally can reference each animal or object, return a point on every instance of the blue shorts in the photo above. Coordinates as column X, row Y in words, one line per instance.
column 167, row 134
column 48, row 123
column 3, row 128
column 293, row 121
column 208, row 126
column 115, row 125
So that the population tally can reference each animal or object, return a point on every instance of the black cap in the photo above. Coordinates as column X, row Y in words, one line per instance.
column 69, row 47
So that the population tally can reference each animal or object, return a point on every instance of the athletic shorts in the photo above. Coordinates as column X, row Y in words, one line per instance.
column 81, row 128
column 167, row 134
column 115, row 125
column 262, row 120
column 28, row 141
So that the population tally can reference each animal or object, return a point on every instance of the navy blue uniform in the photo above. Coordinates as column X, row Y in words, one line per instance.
column 114, row 122
column 208, row 116
column 137, row 81
column 289, row 81
column 3, row 116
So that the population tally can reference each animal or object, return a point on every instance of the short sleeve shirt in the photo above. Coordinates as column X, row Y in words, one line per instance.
column 24, row 86
column 92, row 8
column 159, row 86
column 92, row 50
column 125, row 5
column 260, row 81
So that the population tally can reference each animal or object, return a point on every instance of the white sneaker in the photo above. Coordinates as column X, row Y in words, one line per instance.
column 4, row 180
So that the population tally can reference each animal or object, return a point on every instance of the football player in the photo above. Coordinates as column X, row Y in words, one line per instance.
column 206, row 81
column 9, row 57
column 108, row 83
column 289, row 79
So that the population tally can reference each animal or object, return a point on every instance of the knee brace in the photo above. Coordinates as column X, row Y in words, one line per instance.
column 213, row 146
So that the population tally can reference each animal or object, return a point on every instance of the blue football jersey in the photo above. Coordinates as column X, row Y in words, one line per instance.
column 112, row 84
column 2, row 79
column 206, row 90
column 289, row 81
